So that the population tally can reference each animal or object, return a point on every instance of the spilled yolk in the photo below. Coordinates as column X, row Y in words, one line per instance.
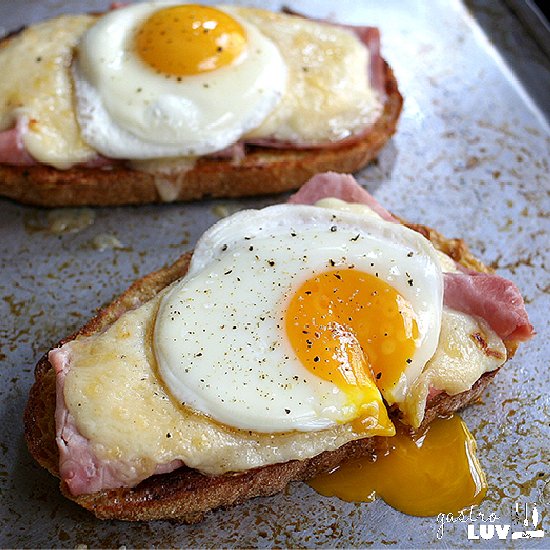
column 347, row 326
column 436, row 473
column 189, row 39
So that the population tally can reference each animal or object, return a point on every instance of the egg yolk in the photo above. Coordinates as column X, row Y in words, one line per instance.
column 436, row 473
column 348, row 326
column 189, row 39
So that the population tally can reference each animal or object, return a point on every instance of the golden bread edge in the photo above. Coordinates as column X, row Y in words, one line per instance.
column 186, row 495
column 262, row 171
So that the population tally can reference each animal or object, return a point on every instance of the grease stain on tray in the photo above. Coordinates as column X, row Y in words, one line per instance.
column 59, row 221
column 106, row 241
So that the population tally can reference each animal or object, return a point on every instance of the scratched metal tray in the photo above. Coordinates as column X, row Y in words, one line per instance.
column 470, row 158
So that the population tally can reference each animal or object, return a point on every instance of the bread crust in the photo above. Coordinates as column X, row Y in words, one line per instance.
column 262, row 171
column 186, row 495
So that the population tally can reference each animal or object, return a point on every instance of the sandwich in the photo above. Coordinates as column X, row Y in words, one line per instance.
column 292, row 339
column 106, row 110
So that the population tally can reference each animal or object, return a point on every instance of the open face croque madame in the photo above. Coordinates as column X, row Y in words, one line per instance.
column 293, row 339
column 160, row 101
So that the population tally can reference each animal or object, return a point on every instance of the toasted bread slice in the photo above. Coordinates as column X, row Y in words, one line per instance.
column 185, row 494
column 262, row 171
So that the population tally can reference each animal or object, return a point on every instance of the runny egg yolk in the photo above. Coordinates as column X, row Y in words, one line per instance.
column 436, row 473
column 189, row 39
column 348, row 326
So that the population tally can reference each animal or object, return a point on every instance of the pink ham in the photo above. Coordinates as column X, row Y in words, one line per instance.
column 79, row 467
column 99, row 161
column 370, row 36
column 339, row 186
column 494, row 298
column 12, row 148
column 235, row 152
column 13, row 151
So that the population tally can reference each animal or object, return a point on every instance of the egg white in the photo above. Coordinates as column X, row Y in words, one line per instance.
column 219, row 336
column 126, row 110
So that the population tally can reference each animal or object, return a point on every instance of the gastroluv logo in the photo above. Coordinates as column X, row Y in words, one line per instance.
column 504, row 531
column 525, row 523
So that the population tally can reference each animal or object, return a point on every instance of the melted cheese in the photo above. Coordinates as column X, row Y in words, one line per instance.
column 332, row 203
column 330, row 97
column 467, row 349
column 39, row 89
column 169, row 174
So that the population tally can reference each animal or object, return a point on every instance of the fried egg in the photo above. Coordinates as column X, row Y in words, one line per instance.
column 139, row 97
column 296, row 317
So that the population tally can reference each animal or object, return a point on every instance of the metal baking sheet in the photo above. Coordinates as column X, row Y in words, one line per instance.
column 470, row 158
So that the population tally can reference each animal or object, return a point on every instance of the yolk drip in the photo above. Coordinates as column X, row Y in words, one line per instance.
column 347, row 326
column 189, row 39
column 437, row 473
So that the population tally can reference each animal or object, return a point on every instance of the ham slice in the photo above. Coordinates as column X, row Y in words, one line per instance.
column 79, row 467
column 13, row 151
column 12, row 148
column 81, row 470
column 339, row 186
column 370, row 36
column 494, row 298
column 235, row 152
column 99, row 161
